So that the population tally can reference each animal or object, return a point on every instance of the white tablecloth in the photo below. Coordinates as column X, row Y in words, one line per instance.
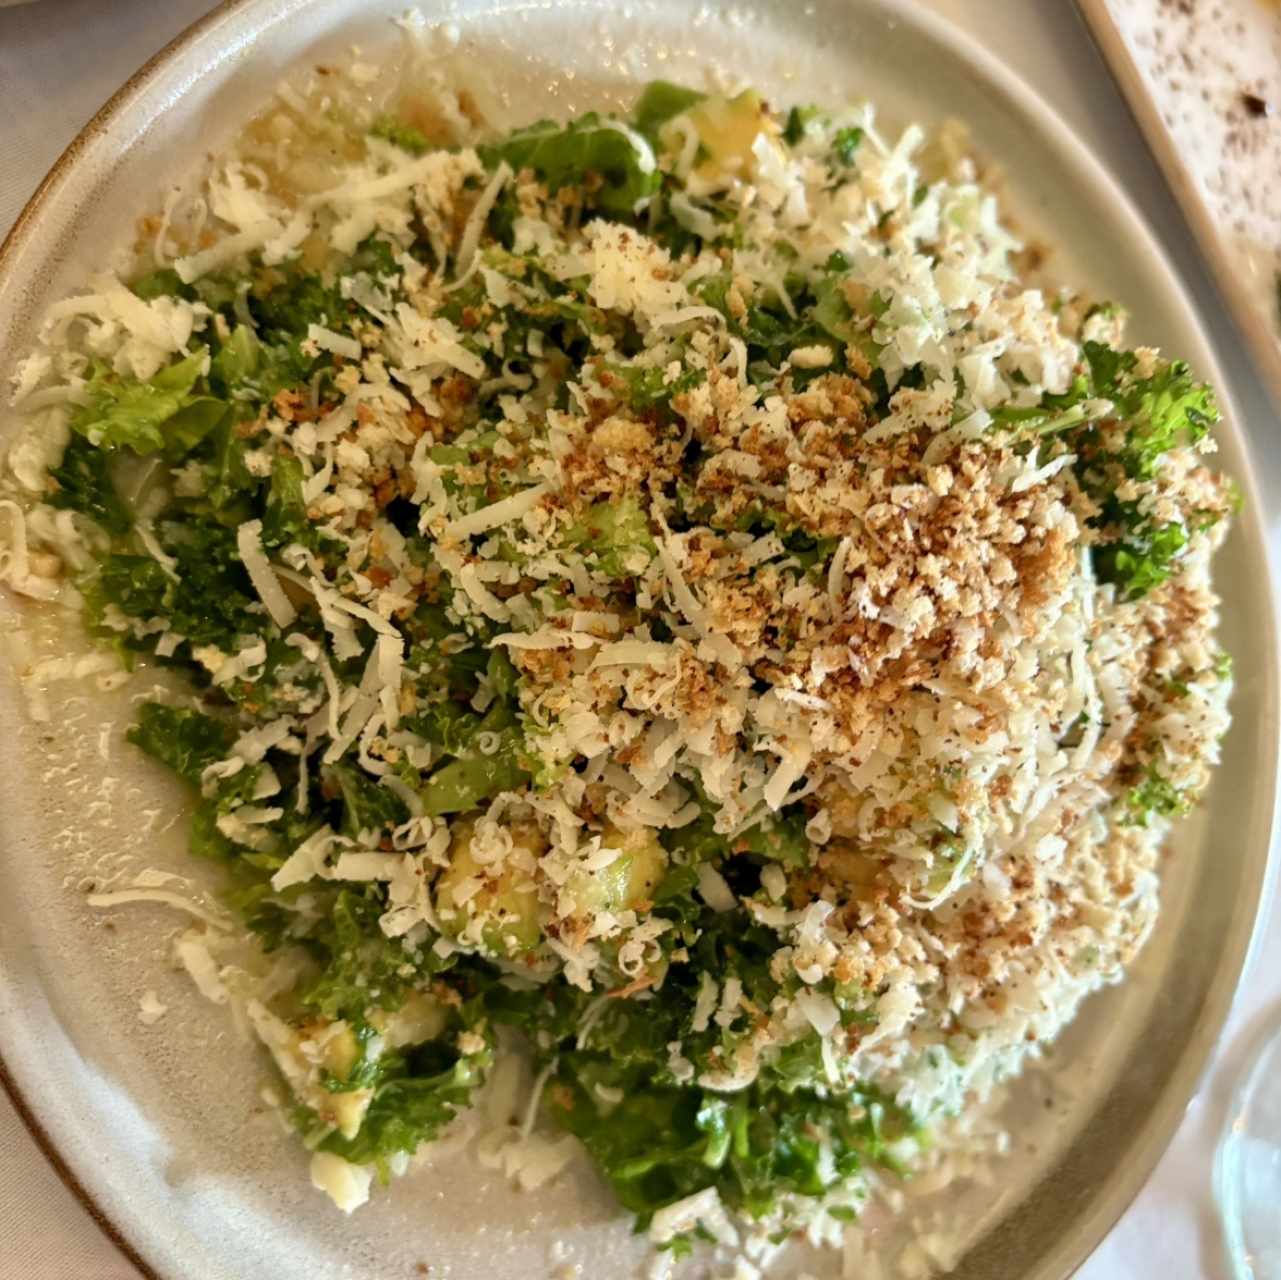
column 60, row 59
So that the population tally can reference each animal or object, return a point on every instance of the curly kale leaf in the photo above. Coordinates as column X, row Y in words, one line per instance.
column 657, row 1137
column 657, row 1145
column 780, row 839
column 1154, row 797
column 164, row 282
column 772, row 332
column 296, row 300
column 186, row 740
column 237, row 361
column 285, row 518
column 1144, row 559
column 649, row 388
column 775, row 839
column 587, row 151
column 208, row 600
column 1167, row 409
column 359, row 965
column 85, row 485
column 417, row 1095
column 798, row 121
column 617, row 534
column 367, row 805
column 846, row 143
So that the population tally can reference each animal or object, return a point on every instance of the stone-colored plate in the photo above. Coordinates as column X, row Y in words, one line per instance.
column 161, row 1127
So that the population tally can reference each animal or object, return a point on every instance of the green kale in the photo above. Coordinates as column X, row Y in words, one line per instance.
column 658, row 1139
column 282, row 366
column 204, row 840
column 1053, row 416
column 359, row 966
column 1163, row 411
column 647, row 387
column 659, row 102
column 674, row 898
column 272, row 690
column 230, row 793
column 1169, row 408
column 284, row 303
column 399, row 134
column 367, row 805
column 798, row 120
column 846, row 143
column 587, row 148
column 613, row 532
column 220, row 292
column 237, row 362
column 449, row 726
column 502, row 675
column 193, row 423
column 212, row 601
column 285, row 518
column 810, row 552
column 374, row 256
column 659, row 1144
column 135, row 584
column 775, row 839
column 833, row 314
column 296, row 300
column 247, row 887
column 164, row 282
column 452, row 673
column 184, row 739
column 475, row 775
column 1144, row 559
column 780, row 839
column 417, row 1095
column 832, row 311
column 662, row 1139
column 1154, row 796
column 209, row 600
column 230, row 486
column 84, row 484
column 770, row 332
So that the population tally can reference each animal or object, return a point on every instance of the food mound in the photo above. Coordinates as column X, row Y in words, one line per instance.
column 661, row 595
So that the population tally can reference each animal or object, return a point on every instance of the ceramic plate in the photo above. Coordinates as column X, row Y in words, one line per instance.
column 162, row 1126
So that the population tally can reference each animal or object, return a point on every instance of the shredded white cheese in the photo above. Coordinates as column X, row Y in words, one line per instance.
column 267, row 585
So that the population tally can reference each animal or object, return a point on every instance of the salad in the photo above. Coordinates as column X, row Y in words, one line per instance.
column 663, row 595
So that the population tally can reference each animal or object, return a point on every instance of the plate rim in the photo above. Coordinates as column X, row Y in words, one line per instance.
column 10, row 246
column 1091, row 1227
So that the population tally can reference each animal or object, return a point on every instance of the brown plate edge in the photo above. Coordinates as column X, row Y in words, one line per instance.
column 49, row 1150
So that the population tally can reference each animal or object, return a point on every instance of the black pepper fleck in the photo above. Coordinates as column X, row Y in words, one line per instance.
column 1256, row 106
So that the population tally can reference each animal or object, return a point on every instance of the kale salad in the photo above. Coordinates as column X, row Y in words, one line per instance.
column 662, row 595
